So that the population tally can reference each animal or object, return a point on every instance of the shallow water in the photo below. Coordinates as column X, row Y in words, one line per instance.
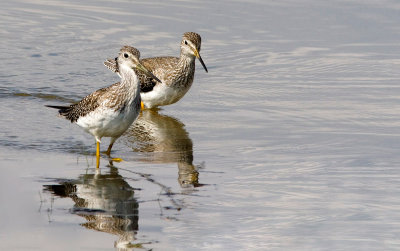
column 290, row 142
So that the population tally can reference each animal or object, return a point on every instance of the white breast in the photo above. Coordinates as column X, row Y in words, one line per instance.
column 105, row 122
column 162, row 95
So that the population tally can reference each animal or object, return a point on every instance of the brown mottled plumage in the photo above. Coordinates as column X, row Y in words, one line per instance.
column 110, row 96
column 109, row 111
column 176, row 73
column 90, row 103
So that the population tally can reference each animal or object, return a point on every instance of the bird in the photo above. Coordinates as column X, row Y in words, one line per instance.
column 109, row 111
column 176, row 73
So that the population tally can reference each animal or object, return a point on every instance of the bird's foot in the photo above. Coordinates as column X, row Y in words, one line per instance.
column 117, row 159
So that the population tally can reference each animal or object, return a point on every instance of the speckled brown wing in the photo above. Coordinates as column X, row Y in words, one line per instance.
column 146, row 83
column 111, row 64
column 86, row 105
column 157, row 65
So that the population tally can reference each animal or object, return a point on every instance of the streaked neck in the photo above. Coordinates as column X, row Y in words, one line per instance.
column 129, row 81
column 186, row 63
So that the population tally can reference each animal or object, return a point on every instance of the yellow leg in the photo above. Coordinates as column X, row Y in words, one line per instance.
column 97, row 163
column 141, row 105
column 97, row 149
column 97, row 154
column 108, row 152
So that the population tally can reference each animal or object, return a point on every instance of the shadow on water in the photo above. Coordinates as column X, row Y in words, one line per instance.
column 164, row 140
column 106, row 201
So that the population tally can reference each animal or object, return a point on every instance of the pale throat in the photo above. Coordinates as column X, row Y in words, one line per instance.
column 128, row 74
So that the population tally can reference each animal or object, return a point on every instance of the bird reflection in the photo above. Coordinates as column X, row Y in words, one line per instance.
column 107, row 203
column 167, row 140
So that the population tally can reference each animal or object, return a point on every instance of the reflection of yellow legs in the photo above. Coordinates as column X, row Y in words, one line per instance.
column 97, row 154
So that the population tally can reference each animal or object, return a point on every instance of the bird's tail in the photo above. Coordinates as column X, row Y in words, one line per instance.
column 62, row 110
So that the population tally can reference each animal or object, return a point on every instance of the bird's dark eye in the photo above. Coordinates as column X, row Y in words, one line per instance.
column 185, row 42
column 126, row 55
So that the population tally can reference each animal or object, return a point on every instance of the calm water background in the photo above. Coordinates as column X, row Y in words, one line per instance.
column 290, row 142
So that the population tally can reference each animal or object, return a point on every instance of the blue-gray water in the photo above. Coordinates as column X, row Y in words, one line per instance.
column 290, row 142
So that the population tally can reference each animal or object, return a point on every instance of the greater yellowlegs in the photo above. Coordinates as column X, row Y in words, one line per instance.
column 176, row 73
column 109, row 111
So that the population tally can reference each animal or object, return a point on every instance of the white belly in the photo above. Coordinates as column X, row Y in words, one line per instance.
column 107, row 122
column 162, row 95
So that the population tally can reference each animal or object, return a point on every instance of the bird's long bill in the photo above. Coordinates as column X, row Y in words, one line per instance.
column 147, row 72
column 197, row 54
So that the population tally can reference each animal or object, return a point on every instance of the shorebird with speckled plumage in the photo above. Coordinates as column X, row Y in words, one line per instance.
column 176, row 74
column 109, row 111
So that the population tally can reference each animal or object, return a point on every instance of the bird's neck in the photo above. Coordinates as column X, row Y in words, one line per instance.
column 186, row 63
column 129, row 81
